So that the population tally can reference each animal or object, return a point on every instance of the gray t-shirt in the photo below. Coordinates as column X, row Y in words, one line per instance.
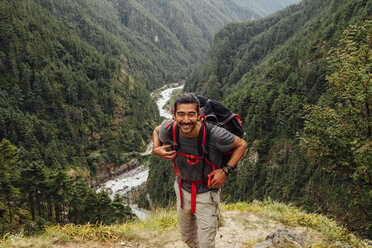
column 220, row 141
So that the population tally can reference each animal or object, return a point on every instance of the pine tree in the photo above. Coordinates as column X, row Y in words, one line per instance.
column 9, row 176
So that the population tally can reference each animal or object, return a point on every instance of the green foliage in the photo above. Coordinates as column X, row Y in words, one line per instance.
column 9, row 177
column 267, row 71
column 45, row 196
column 340, row 136
column 239, row 47
column 160, row 182
column 60, row 91
column 61, row 99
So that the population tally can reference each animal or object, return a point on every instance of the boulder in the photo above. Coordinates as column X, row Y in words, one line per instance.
column 283, row 238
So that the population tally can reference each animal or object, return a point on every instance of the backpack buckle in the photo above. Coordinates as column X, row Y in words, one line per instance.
column 192, row 157
column 174, row 145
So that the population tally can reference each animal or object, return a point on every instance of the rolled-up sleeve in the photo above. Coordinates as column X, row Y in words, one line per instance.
column 222, row 139
column 164, row 133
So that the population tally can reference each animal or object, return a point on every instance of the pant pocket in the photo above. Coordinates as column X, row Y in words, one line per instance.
column 215, row 199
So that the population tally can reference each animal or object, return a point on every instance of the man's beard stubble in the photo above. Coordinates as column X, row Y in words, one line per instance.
column 192, row 124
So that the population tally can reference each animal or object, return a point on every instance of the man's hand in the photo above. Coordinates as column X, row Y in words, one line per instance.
column 161, row 151
column 218, row 177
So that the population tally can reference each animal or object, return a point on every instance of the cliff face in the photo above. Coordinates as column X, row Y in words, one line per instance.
column 107, row 171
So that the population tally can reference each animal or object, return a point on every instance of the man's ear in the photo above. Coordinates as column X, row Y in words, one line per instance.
column 174, row 114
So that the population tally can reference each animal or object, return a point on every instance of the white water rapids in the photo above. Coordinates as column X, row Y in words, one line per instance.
column 136, row 177
column 164, row 96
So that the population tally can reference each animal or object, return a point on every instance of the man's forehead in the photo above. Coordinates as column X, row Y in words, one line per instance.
column 187, row 107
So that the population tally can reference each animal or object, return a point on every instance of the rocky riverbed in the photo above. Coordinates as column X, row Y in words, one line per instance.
column 128, row 180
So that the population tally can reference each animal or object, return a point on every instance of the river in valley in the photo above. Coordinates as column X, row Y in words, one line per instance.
column 162, row 100
column 130, row 180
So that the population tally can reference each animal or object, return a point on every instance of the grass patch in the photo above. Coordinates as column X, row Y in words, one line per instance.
column 157, row 223
column 160, row 228
column 33, row 241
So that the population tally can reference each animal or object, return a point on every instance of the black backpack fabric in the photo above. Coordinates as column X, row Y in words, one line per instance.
column 218, row 114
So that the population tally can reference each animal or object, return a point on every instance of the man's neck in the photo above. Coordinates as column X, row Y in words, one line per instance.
column 195, row 132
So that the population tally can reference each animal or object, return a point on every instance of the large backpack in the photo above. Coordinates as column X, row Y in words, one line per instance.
column 220, row 115
column 213, row 113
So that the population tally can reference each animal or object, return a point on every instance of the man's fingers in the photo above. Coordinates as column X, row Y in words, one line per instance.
column 213, row 183
column 214, row 172
column 169, row 155
column 217, row 178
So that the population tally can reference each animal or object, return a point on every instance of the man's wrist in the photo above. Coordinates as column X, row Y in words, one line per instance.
column 154, row 148
column 228, row 169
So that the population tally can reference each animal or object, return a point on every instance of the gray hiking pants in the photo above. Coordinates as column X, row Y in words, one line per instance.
column 198, row 230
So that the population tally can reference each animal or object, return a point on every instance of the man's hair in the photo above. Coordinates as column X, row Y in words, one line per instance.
column 187, row 97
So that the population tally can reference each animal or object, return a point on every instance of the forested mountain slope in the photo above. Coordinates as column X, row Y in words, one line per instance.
column 57, row 90
column 271, row 71
column 61, row 99
column 159, row 40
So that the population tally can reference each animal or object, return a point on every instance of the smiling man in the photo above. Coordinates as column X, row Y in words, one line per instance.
column 200, row 172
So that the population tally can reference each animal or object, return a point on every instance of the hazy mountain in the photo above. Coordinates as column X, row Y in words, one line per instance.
column 266, row 7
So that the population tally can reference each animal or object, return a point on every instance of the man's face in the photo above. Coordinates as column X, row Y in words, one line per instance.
column 186, row 117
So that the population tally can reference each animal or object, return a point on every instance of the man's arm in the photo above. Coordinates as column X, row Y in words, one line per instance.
column 218, row 176
column 239, row 147
column 159, row 149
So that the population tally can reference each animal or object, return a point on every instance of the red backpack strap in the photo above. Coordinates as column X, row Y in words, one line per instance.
column 174, row 134
column 169, row 123
column 238, row 118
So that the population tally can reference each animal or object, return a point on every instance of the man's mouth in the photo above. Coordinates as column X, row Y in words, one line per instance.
column 186, row 125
